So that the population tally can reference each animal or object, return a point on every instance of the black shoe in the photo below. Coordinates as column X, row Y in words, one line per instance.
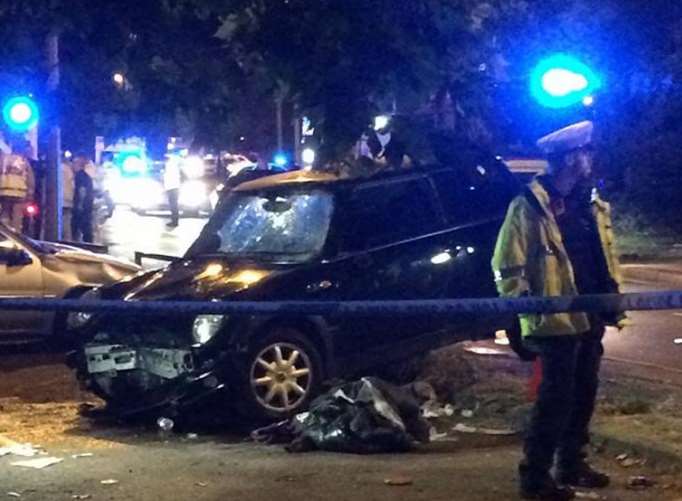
column 172, row 224
column 582, row 475
column 542, row 486
column 548, row 491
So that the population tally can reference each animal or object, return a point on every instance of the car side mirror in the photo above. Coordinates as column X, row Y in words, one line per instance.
column 15, row 257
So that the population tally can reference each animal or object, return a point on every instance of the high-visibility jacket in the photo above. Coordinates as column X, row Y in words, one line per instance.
column 68, row 184
column 14, row 176
column 530, row 259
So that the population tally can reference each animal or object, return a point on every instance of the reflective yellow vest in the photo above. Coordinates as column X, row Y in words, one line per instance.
column 530, row 259
column 14, row 174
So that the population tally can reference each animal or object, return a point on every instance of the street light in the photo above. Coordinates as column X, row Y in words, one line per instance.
column 20, row 114
column 119, row 79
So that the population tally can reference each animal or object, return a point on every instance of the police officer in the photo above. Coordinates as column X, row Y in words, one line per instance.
column 556, row 240
column 83, row 199
column 17, row 185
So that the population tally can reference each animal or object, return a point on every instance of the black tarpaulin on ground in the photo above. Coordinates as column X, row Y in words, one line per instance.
column 364, row 417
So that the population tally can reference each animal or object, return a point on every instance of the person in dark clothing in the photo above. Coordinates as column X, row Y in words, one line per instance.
column 556, row 241
column 83, row 197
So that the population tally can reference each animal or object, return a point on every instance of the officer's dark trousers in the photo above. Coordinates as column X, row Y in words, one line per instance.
column 81, row 226
column 173, row 204
column 560, row 419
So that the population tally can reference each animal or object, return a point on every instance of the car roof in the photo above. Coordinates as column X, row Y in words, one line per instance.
column 296, row 177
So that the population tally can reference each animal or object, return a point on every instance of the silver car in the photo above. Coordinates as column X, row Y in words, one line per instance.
column 36, row 269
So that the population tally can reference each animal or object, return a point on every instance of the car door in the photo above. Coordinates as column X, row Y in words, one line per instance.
column 20, row 281
column 391, row 232
column 474, row 205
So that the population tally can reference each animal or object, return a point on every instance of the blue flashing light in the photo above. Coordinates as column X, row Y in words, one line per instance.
column 20, row 113
column 131, row 163
column 281, row 160
column 562, row 80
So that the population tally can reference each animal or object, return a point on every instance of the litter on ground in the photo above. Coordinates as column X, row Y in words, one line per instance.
column 38, row 463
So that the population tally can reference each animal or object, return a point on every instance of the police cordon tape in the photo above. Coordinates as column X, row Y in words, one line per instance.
column 663, row 300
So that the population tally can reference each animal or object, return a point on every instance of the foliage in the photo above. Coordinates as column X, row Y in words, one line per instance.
column 212, row 70
column 343, row 62
column 167, row 53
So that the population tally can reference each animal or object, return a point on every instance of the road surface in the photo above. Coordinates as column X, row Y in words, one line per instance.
column 126, row 232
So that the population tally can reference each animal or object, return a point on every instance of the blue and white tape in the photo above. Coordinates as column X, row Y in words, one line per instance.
column 664, row 300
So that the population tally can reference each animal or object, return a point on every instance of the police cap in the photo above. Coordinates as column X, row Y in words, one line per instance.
column 569, row 138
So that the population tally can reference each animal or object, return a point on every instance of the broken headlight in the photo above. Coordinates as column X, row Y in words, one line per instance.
column 206, row 326
column 77, row 319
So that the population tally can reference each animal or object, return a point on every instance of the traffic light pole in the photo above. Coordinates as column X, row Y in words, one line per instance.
column 53, row 185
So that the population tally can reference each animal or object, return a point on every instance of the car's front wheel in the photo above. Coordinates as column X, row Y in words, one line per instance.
column 283, row 373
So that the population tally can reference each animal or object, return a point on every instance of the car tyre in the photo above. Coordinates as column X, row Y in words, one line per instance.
column 282, row 373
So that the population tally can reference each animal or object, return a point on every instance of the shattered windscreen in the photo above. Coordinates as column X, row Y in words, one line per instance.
column 290, row 226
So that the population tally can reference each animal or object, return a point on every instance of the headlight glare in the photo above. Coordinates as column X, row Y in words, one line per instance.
column 77, row 319
column 205, row 327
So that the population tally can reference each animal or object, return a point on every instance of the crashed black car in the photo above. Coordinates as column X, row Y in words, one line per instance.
column 424, row 233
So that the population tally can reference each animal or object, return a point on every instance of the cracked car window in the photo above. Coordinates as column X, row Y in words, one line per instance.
column 284, row 224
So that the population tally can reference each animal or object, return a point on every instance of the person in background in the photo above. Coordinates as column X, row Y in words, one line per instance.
column 171, row 184
column 67, row 200
column 83, row 199
column 17, row 184
column 105, row 172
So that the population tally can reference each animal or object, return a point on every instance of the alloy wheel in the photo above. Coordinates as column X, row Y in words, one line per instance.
column 281, row 377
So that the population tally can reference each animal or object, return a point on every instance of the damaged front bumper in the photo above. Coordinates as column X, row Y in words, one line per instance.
column 144, row 380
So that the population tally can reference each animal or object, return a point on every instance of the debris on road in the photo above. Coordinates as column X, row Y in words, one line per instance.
column 588, row 495
column 435, row 436
column 9, row 446
column 463, row 428
column 627, row 462
column 13, row 494
column 433, row 409
column 201, row 484
column 82, row 455
column 192, row 436
column 81, row 496
column 109, row 481
column 165, row 424
column 398, row 481
column 467, row 413
column 38, row 463
column 640, row 482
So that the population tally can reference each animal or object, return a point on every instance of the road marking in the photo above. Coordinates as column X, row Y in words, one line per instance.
column 676, row 314
column 677, row 340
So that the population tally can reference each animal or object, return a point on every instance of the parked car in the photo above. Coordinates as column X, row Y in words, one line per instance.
column 35, row 269
column 409, row 234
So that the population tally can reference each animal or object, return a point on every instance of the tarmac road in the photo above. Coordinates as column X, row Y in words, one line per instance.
column 126, row 232
column 218, row 470
column 649, row 344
